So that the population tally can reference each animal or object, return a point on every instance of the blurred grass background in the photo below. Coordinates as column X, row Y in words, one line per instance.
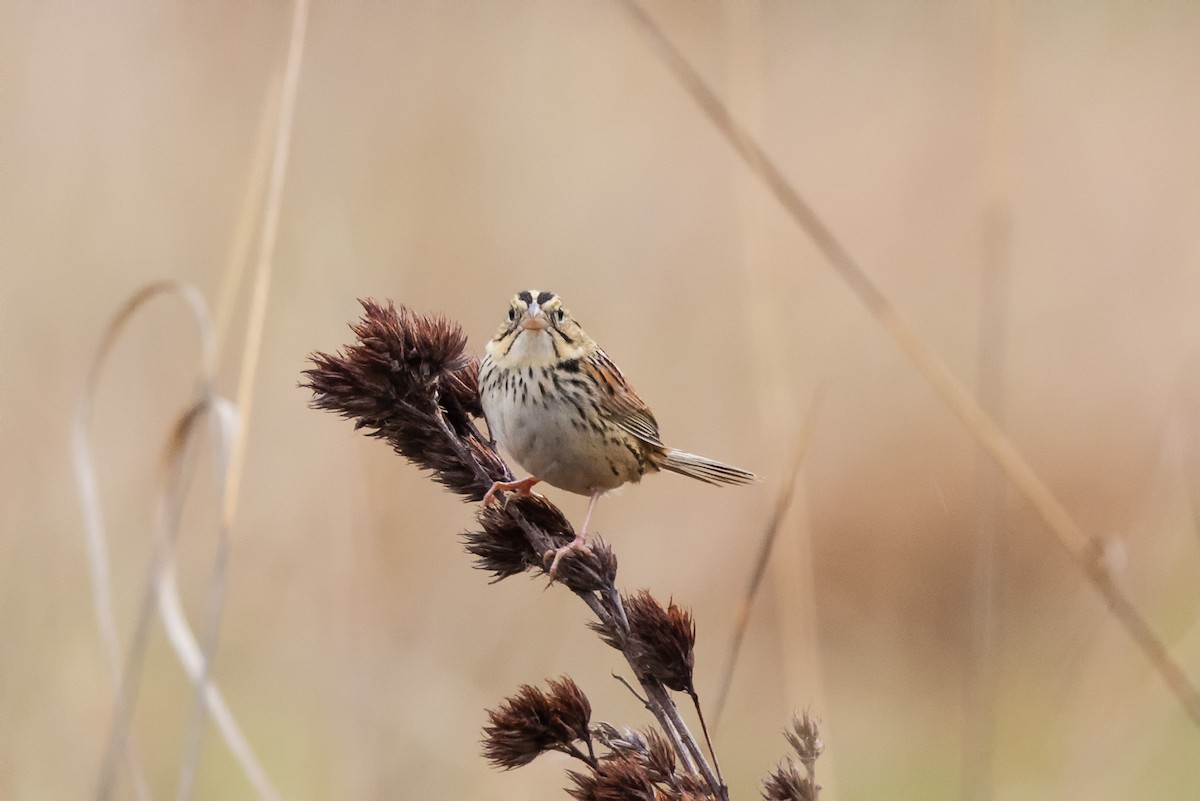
column 447, row 155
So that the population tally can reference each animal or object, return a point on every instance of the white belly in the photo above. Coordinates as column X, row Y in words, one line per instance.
column 548, row 436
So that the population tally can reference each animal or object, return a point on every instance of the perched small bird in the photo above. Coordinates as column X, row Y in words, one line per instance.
column 556, row 402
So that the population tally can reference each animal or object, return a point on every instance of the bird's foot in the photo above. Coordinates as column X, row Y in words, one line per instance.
column 577, row 545
column 522, row 488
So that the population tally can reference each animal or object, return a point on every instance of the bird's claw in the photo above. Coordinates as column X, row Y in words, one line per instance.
column 523, row 487
column 555, row 555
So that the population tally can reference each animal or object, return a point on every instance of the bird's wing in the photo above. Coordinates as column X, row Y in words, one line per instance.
column 619, row 403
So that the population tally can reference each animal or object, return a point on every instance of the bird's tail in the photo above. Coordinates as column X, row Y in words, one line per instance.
column 703, row 469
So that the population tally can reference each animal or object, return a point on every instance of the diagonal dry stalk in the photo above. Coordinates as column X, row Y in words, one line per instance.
column 408, row 381
column 1086, row 550
column 782, row 505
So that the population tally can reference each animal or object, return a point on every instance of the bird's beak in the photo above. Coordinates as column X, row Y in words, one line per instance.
column 535, row 320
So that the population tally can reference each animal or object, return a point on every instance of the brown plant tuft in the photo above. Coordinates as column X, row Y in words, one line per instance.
column 594, row 570
column 408, row 381
column 660, row 759
column 650, row 748
column 502, row 547
column 622, row 777
column 535, row 721
column 785, row 783
column 662, row 640
column 691, row 787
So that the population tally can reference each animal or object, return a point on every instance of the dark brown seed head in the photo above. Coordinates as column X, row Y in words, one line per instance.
column 405, row 377
column 661, row 640
column 506, row 547
column 660, row 756
column 534, row 721
column 589, row 571
column 502, row 546
column 621, row 778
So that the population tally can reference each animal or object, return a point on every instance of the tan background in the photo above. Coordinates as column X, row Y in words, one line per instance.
column 449, row 154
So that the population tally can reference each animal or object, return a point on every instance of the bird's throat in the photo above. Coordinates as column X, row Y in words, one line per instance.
column 532, row 348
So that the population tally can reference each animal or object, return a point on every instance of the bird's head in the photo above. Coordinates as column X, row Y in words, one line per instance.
column 538, row 330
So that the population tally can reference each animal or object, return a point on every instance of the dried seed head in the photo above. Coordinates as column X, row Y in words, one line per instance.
column 506, row 547
column 535, row 721
column 620, row 778
column 605, row 733
column 617, row 740
column 502, row 547
column 571, row 707
column 611, row 635
column 661, row 641
column 692, row 786
column 404, row 377
column 590, row 570
column 786, row 784
column 660, row 756
column 805, row 738
column 650, row 748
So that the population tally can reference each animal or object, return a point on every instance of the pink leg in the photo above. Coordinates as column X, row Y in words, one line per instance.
column 582, row 535
column 522, row 487
column 575, row 545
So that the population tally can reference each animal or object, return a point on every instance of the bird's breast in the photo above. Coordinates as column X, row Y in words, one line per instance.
column 555, row 430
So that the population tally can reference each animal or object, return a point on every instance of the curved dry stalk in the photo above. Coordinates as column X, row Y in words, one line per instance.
column 223, row 425
column 1086, row 551
column 160, row 588
column 83, row 465
column 160, row 585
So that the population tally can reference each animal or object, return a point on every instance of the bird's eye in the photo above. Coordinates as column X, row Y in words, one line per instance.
column 560, row 315
column 512, row 314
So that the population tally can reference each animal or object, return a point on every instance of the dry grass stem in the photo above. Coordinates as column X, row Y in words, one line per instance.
column 778, row 513
column 243, row 237
column 266, row 253
column 1086, row 551
column 159, row 588
column 229, row 453
column 95, row 534
column 996, row 236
